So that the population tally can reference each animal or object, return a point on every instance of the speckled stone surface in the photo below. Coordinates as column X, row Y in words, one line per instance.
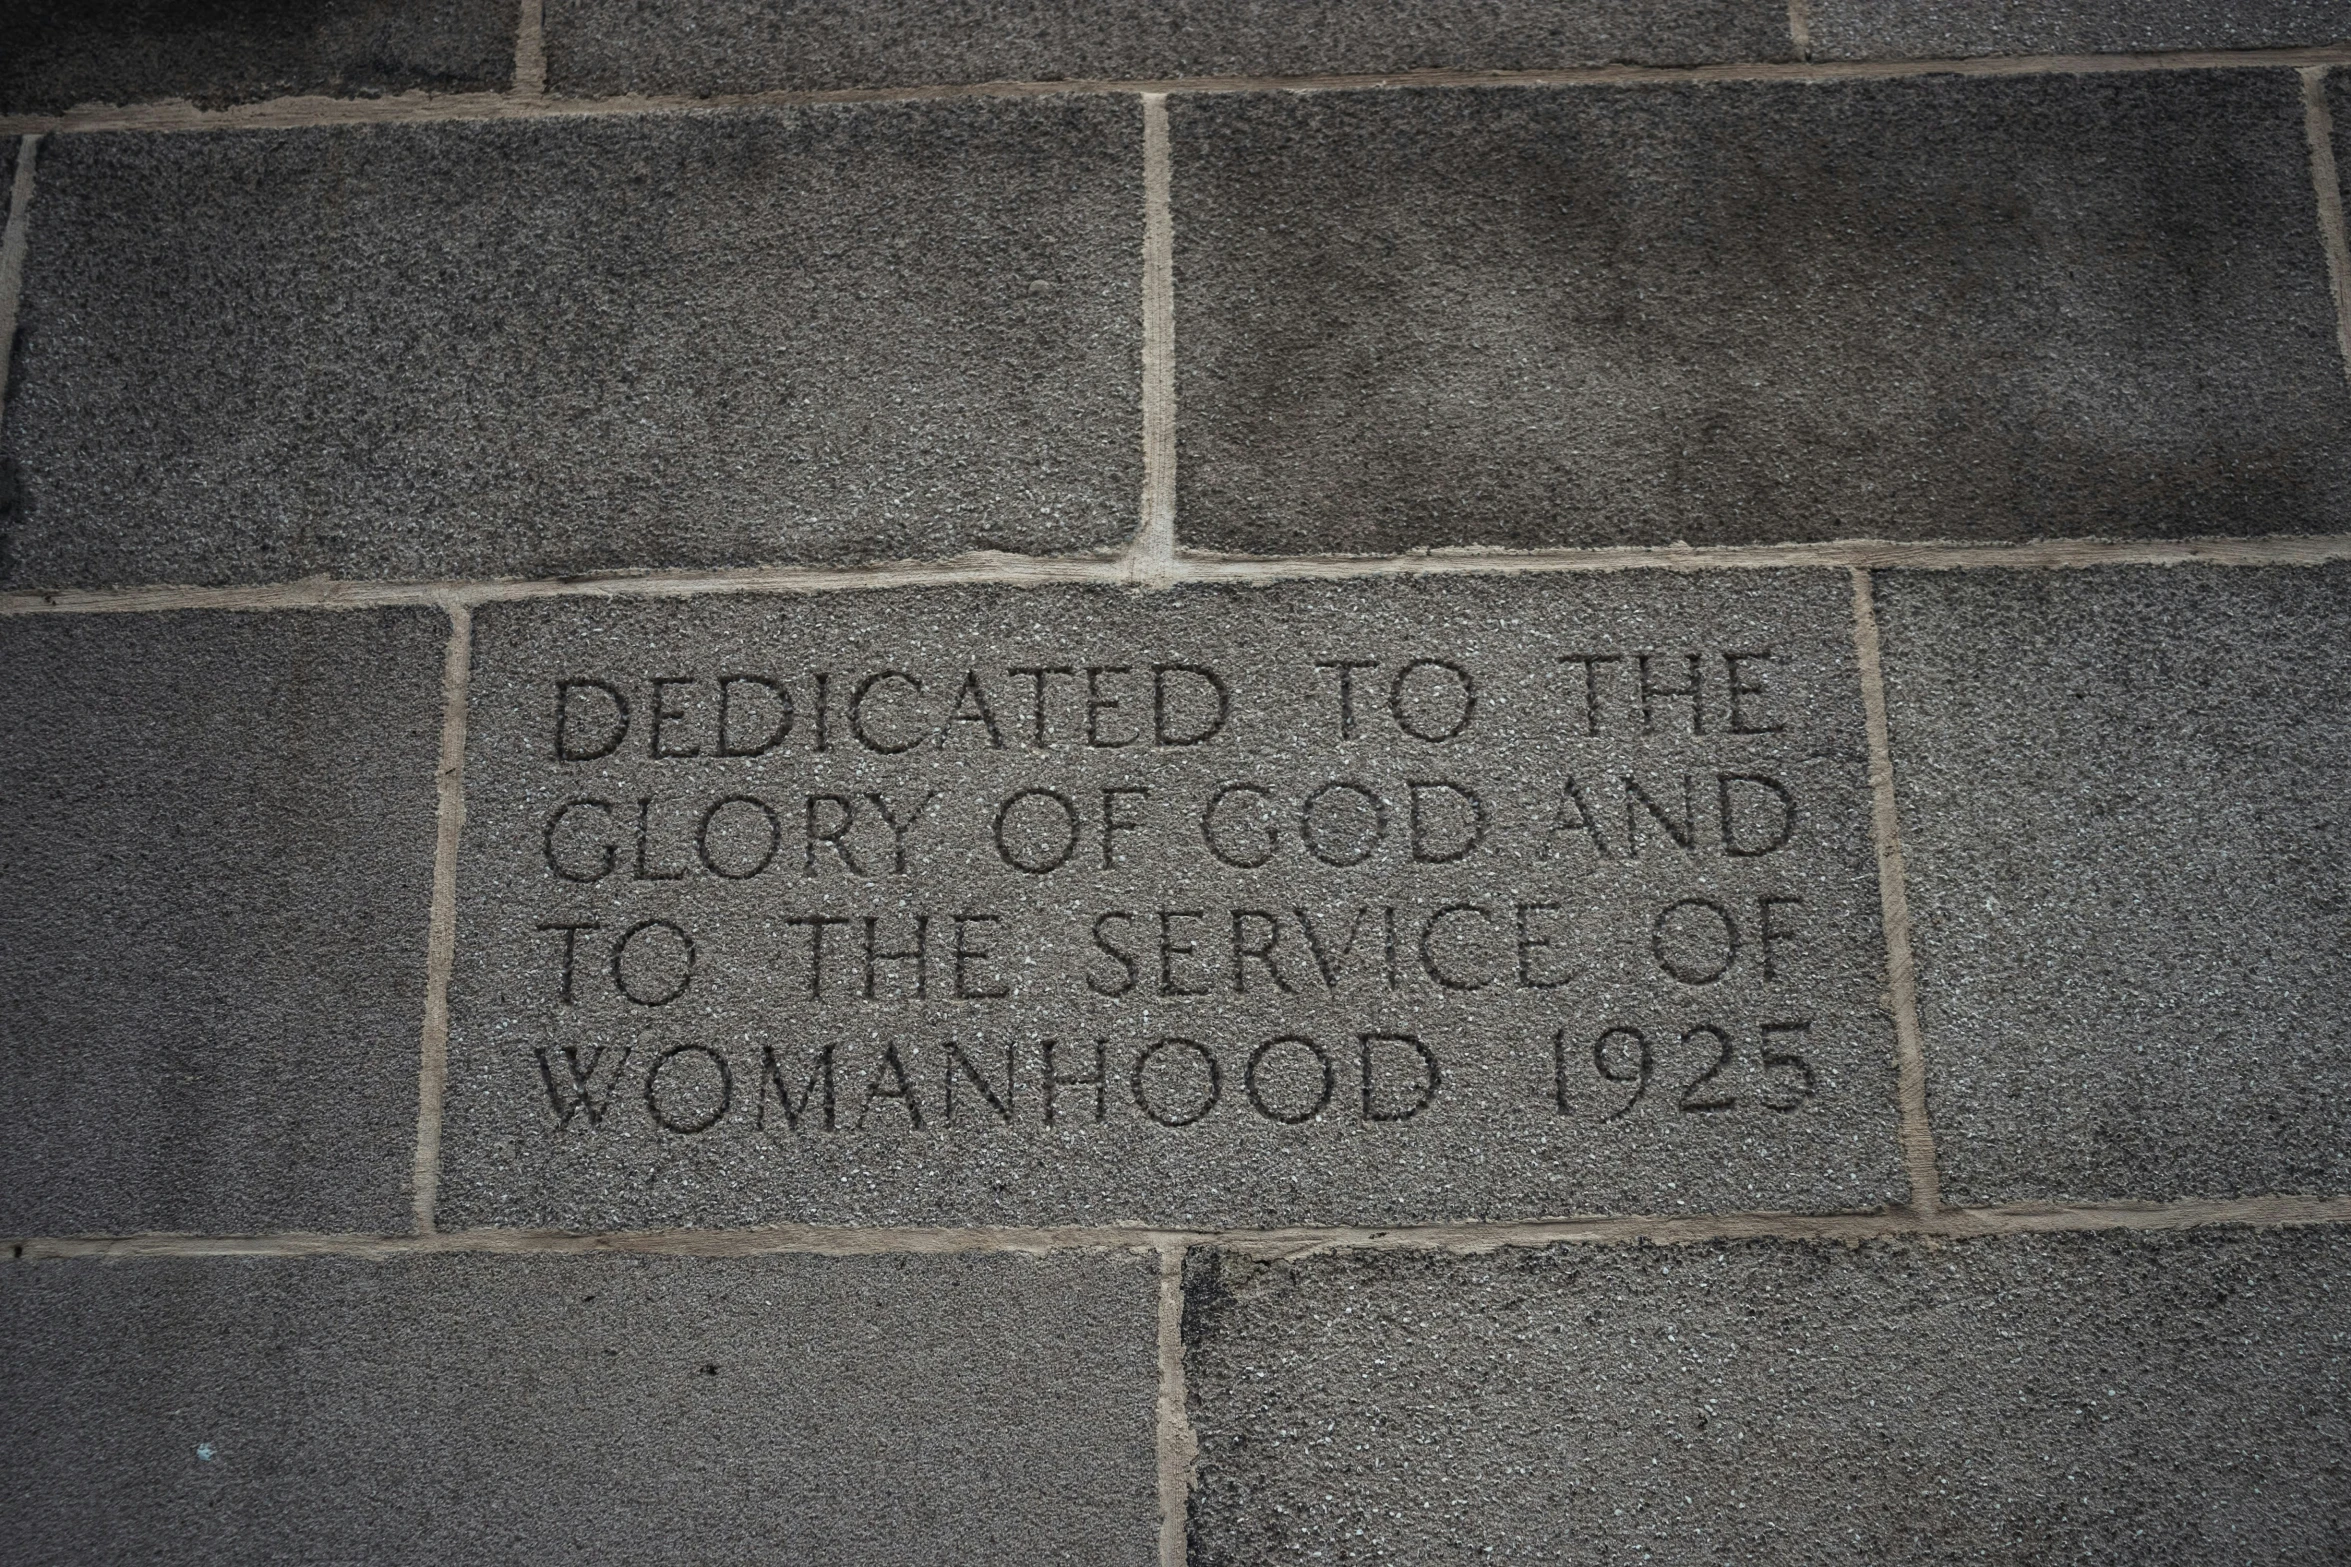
column 827, row 1410
column 840, row 333
column 2123, row 813
column 2109, row 1398
column 1935, row 29
column 721, row 46
column 55, row 54
column 1449, row 965
column 2338, row 100
column 212, row 918
column 1936, row 307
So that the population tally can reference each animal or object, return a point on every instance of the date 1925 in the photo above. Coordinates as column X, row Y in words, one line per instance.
column 1707, row 1069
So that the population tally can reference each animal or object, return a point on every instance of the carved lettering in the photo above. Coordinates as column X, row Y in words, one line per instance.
column 1326, row 877
column 580, row 1091
column 697, row 1105
column 778, row 726
column 576, row 719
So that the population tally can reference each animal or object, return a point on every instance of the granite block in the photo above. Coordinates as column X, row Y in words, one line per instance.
column 821, row 1410
column 2337, row 85
column 55, row 54
column 1317, row 903
column 1947, row 29
column 2114, row 1398
column 2124, row 818
column 212, row 918
column 1934, row 307
column 732, row 46
column 831, row 334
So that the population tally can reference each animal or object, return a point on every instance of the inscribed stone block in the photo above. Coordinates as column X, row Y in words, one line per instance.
column 1372, row 902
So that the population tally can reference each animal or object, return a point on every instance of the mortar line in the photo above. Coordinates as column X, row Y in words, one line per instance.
column 1800, row 27
column 530, row 50
column 1177, row 1446
column 1839, row 554
column 1190, row 566
column 1153, row 552
column 427, row 108
column 2318, row 128
column 432, row 1076
column 12, row 253
column 1467, row 1238
column 1918, row 1140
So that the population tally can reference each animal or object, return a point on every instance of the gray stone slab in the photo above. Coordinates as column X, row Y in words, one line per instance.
column 2112, row 1398
column 720, row 46
column 1944, row 29
column 55, row 54
column 542, row 1409
column 1935, row 307
column 2123, row 817
column 2338, row 97
column 831, row 334
column 1379, row 922
column 212, row 918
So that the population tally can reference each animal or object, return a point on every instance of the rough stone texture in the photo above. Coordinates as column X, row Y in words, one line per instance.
column 802, row 1409
column 2338, row 97
column 2124, row 817
column 715, row 46
column 1937, row 307
column 212, row 918
column 1942, row 29
column 1511, row 1129
column 695, row 339
column 55, row 54
column 2110, row 1398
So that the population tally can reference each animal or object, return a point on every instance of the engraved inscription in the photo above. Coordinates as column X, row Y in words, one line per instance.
column 839, row 956
column 1001, row 902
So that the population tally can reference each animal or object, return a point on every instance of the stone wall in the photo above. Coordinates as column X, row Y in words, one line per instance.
column 1186, row 784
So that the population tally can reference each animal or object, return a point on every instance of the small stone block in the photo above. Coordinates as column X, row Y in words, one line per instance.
column 213, row 918
column 837, row 1410
column 2123, row 817
column 56, row 54
column 733, row 46
column 1936, row 307
column 1374, row 902
column 836, row 334
column 2117, row 1398
column 1878, row 29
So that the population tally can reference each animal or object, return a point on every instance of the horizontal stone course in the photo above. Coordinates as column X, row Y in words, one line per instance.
column 1924, row 308
column 836, row 334
column 730, row 46
column 213, row 918
column 56, row 54
column 544, row 1409
column 2123, row 812
column 1877, row 29
column 2115, row 1398
column 1057, row 905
